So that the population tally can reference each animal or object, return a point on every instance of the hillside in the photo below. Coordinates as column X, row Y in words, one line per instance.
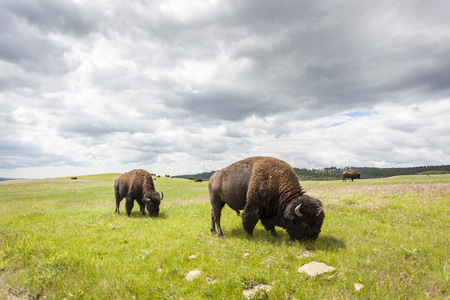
column 60, row 239
column 333, row 173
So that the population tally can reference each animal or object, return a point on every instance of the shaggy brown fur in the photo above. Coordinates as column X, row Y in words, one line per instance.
column 350, row 174
column 267, row 189
column 137, row 185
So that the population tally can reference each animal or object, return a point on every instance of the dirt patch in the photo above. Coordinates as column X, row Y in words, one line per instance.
column 8, row 293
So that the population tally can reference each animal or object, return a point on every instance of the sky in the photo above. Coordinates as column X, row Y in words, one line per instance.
column 183, row 87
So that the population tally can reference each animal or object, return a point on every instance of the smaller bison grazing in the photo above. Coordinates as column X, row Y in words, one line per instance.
column 137, row 185
column 350, row 174
column 267, row 189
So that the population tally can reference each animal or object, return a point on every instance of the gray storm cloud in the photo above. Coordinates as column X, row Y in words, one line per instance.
column 177, row 87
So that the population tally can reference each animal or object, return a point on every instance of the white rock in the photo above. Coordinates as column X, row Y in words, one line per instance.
column 246, row 254
column 192, row 275
column 315, row 268
column 192, row 256
column 210, row 280
column 251, row 292
column 305, row 253
column 358, row 286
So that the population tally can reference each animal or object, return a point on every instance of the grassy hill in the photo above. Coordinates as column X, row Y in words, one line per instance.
column 60, row 238
column 334, row 173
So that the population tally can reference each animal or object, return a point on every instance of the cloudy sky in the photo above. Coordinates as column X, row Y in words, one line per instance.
column 180, row 87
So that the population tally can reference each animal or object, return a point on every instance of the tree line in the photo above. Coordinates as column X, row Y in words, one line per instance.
column 334, row 173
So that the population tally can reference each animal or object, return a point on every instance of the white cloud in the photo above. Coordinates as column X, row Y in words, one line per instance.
column 93, row 87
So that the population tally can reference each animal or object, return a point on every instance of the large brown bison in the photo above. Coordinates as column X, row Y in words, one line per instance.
column 350, row 174
column 137, row 184
column 267, row 189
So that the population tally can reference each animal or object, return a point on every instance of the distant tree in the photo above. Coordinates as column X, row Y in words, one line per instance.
column 335, row 173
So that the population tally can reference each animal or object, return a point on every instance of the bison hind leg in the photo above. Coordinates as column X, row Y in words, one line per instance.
column 216, row 212
column 118, row 199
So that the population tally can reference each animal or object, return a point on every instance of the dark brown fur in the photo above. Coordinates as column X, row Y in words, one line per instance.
column 137, row 185
column 350, row 174
column 267, row 189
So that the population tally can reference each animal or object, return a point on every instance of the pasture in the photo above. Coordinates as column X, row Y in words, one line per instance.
column 60, row 239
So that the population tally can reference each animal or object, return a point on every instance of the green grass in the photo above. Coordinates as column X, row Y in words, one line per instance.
column 60, row 238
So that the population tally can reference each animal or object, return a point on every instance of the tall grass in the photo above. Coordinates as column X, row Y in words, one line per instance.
column 60, row 238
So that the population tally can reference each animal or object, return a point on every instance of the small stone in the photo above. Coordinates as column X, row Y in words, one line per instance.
column 315, row 268
column 358, row 286
column 255, row 290
column 246, row 254
column 209, row 280
column 305, row 253
column 192, row 275
column 192, row 256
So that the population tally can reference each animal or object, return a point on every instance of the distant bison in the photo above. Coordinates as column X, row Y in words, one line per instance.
column 267, row 189
column 137, row 185
column 74, row 178
column 350, row 174
column 198, row 180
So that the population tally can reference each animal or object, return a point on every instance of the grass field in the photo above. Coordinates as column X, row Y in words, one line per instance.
column 60, row 239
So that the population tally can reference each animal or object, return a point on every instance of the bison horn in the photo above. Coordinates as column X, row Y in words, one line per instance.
column 145, row 199
column 297, row 210
column 162, row 196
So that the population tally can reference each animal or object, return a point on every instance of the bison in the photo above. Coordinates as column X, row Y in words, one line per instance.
column 350, row 174
column 267, row 189
column 137, row 184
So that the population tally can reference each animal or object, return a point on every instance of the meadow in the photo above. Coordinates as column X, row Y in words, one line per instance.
column 60, row 239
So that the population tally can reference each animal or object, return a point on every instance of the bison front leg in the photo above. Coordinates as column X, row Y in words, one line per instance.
column 129, row 205
column 250, row 218
column 270, row 227
column 142, row 207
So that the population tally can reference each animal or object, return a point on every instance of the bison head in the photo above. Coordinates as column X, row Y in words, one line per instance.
column 304, row 217
column 152, row 200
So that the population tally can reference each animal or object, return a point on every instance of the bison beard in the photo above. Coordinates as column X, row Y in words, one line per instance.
column 267, row 189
